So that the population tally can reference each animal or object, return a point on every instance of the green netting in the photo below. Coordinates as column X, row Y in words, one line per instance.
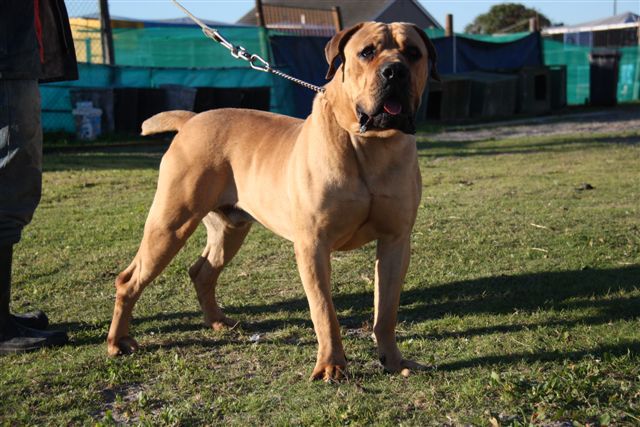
column 629, row 80
column 576, row 59
column 56, row 99
column 150, row 57
column 181, row 47
column 434, row 33
column 495, row 38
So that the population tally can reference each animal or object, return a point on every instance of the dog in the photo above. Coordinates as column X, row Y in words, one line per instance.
column 345, row 176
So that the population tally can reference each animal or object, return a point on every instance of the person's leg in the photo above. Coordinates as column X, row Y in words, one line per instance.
column 15, row 337
column 20, row 188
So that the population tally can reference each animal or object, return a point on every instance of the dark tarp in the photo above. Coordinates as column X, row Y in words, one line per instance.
column 303, row 57
column 476, row 55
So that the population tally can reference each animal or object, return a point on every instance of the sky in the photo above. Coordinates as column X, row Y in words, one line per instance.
column 568, row 12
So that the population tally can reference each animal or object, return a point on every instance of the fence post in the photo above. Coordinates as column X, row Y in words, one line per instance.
column 337, row 18
column 87, row 49
column 264, row 38
column 260, row 14
column 106, row 35
column 534, row 24
column 448, row 32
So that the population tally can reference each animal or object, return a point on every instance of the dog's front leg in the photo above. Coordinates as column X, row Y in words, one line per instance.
column 392, row 260
column 315, row 271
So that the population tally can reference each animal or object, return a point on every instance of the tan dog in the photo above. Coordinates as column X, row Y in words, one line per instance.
column 345, row 176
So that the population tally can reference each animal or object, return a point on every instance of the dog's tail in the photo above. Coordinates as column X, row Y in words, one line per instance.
column 168, row 121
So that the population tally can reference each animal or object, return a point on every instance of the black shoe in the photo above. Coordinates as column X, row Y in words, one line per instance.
column 17, row 338
column 34, row 320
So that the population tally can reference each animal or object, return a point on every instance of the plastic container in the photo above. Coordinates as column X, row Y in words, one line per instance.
column 88, row 121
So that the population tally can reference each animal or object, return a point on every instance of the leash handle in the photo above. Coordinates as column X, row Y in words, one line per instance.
column 238, row 52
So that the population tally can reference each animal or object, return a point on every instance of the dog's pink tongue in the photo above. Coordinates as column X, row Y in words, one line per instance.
column 392, row 107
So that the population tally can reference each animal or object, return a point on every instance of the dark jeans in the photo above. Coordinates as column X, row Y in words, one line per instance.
column 20, row 156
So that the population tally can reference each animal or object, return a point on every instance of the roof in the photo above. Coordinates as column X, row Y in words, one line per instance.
column 352, row 11
column 623, row 20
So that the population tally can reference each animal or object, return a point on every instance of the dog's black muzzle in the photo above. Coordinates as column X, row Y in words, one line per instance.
column 393, row 107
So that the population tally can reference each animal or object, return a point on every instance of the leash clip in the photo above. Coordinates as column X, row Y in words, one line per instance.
column 257, row 63
column 238, row 52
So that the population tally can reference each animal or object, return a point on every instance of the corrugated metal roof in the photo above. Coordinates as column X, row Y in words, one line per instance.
column 616, row 21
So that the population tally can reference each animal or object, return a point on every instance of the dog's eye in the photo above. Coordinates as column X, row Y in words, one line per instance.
column 367, row 52
column 412, row 53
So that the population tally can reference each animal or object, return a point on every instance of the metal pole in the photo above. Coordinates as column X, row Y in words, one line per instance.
column 260, row 14
column 615, row 7
column 264, row 38
column 106, row 34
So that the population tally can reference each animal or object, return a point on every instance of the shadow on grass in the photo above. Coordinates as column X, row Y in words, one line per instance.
column 545, row 356
column 563, row 290
column 550, row 143
column 503, row 295
column 148, row 157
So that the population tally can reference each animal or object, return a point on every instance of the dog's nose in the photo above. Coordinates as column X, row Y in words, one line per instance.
column 394, row 72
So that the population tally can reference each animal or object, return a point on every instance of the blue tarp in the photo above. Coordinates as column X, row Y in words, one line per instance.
column 476, row 55
column 303, row 57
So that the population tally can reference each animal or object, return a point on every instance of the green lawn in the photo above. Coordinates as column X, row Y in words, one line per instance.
column 523, row 294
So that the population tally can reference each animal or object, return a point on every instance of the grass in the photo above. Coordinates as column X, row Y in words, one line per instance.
column 523, row 294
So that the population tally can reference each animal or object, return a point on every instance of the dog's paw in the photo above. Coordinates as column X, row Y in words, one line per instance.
column 124, row 345
column 221, row 323
column 405, row 367
column 328, row 373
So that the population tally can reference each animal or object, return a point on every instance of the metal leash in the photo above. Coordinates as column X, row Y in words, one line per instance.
column 255, row 61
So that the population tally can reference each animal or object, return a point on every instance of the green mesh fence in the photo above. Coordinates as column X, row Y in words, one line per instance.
column 576, row 59
column 56, row 97
column 150, row 57
column 629, row 79
column 181, row 47
column 156, row 56
column 495, row 38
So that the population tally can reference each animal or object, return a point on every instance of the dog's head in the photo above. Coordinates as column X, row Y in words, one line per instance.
column 383, row 72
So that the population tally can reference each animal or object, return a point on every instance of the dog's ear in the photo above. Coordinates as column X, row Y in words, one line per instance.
column 335, row 48
column 433, row 55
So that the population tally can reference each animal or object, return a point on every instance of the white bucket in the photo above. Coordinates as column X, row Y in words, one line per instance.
column 88, row 121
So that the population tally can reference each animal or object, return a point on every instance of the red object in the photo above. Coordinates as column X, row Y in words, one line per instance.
column 36, row 6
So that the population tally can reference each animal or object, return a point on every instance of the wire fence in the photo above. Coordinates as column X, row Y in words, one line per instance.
column 302, row 21
column 85, row 28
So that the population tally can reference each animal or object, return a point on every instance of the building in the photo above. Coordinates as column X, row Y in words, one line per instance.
column 326, row 16
column 616, row 31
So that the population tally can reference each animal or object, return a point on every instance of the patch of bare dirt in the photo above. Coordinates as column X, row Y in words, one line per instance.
column 606, row 121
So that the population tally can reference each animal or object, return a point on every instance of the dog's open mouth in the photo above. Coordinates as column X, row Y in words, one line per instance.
column 391, row 114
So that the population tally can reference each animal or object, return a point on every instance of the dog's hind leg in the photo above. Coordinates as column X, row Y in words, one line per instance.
column 178, row 207
column 224, row 239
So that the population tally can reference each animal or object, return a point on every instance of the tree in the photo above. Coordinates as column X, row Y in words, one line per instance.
column 505, row 18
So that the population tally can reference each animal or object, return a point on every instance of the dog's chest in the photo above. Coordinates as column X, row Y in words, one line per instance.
column 387, row 206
